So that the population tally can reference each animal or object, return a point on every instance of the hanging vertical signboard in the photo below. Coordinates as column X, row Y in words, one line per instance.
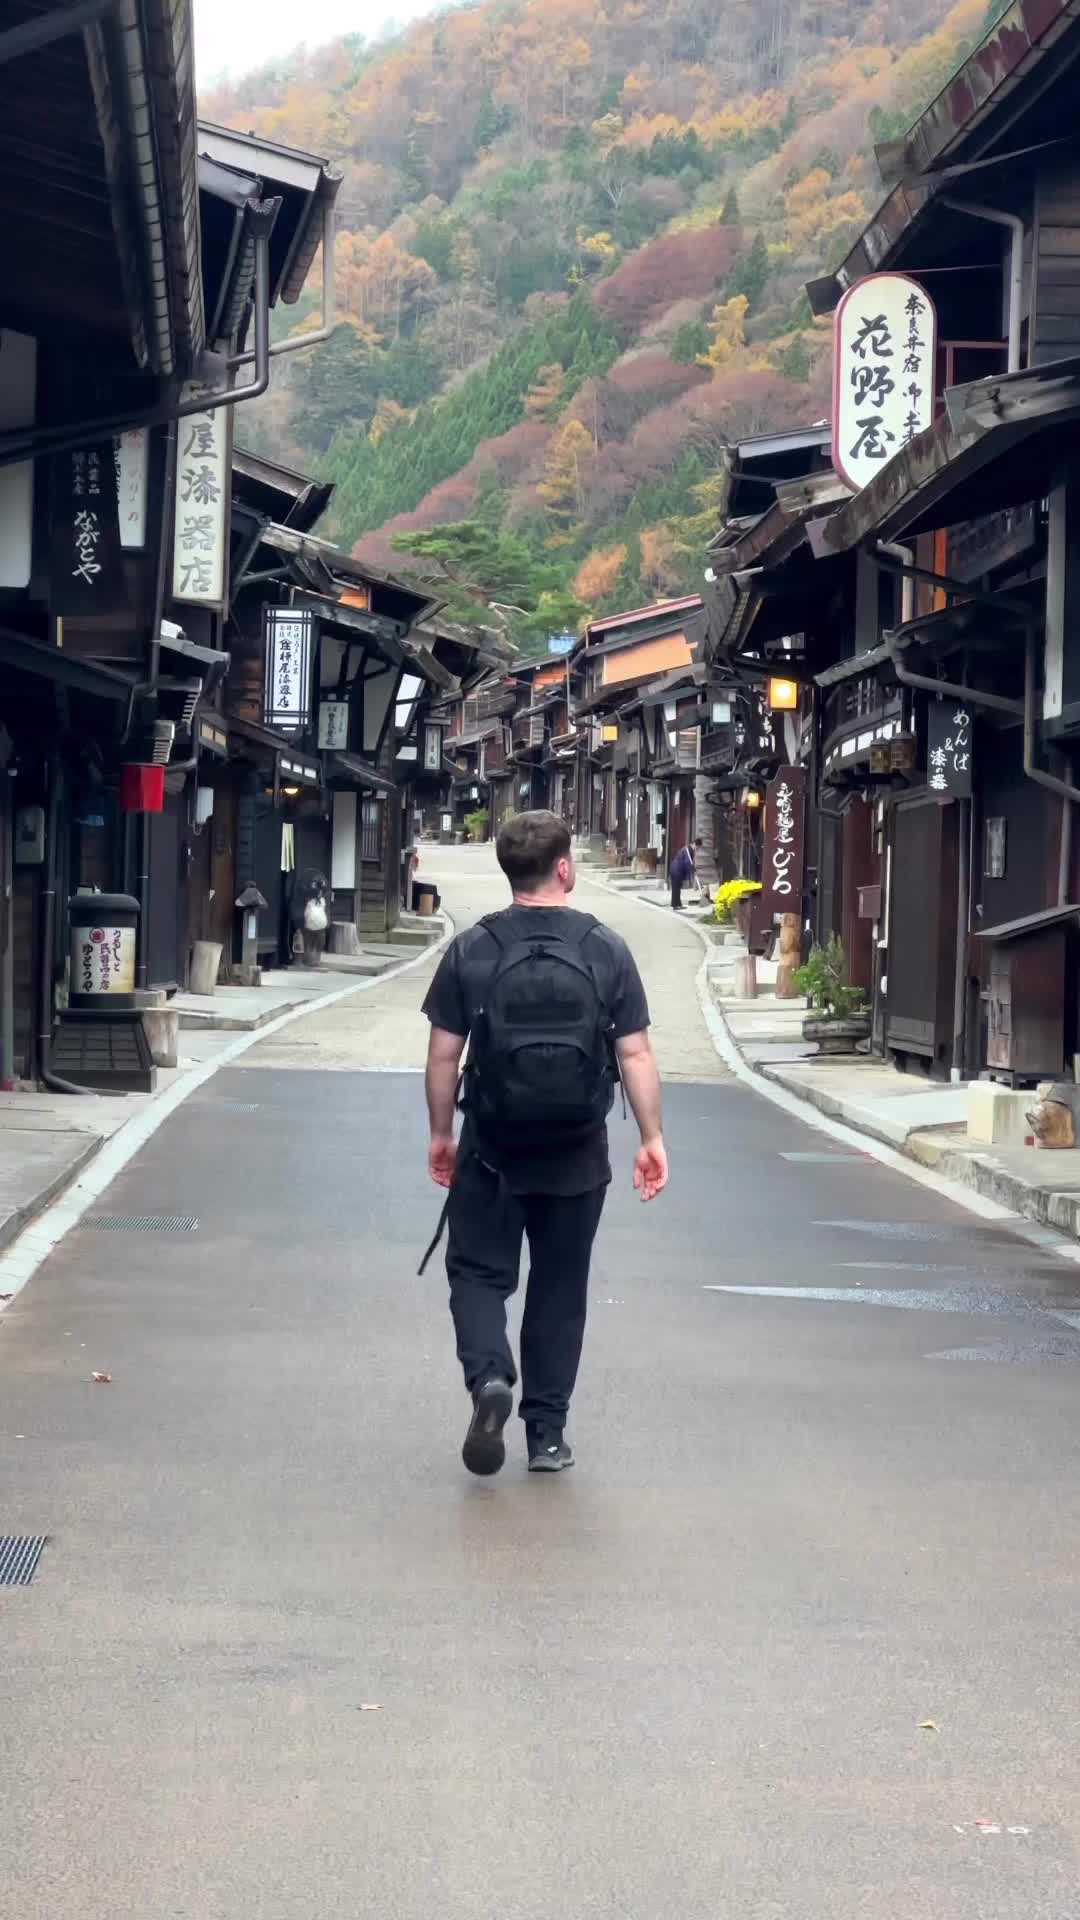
column 948, row 749
column 884, row 358
column 287, row 682
column 334, row 725
column 785, row 843
column 433, row 739
column 87, row 575
column 131, row 451
column 200, row 507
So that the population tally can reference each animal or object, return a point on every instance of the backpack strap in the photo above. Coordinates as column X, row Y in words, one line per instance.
column 494, row 924
column 490, row 924
column 582, row 932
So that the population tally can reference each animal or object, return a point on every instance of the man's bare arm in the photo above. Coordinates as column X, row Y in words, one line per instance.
column 440, row 1085
column 641, row 1078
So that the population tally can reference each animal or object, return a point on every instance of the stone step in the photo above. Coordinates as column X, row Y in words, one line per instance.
column 400, row 936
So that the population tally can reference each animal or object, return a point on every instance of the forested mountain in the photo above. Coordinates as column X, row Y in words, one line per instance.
column 573, row 241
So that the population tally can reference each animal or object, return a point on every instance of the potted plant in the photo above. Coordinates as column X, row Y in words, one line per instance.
column 476, row 824
column 838, row 1016
column 733, row 904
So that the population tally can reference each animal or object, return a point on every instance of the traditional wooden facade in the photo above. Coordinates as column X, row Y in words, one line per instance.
column 637, row 710
column 928, row 616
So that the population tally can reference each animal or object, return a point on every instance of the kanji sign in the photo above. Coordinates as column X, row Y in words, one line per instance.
column 201, row 505
column 131, row 452
column 287, row 684
column 885, row 350
column 103, row 959
column 87, row 577
column 785, row 842
column 334, row 725
column 948, row 749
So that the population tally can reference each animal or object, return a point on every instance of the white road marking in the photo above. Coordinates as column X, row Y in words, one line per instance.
column 20, row 1261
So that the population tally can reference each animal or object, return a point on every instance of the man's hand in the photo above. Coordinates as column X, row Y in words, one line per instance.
column 651, row 1168
column 442, row 1158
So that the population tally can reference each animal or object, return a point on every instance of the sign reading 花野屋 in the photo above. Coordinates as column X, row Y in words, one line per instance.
column 884, row 358
column 785, row 841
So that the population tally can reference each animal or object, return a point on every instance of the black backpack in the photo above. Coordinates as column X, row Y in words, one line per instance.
column 541, row 1070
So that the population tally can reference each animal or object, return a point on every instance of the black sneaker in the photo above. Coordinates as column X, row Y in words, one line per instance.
column 485, row 1450
column 548, row 1451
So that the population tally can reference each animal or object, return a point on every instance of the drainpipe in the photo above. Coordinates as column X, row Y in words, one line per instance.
column 329, row 317
column 974, row 696
column 48, row 926
column 1066, row 792
column 1016, row 266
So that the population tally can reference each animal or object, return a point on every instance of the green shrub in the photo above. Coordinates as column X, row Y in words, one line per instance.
column 824, row 980
column 476, row 823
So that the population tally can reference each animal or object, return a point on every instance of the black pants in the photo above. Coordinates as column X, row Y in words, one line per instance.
column 483, row 1256
column 676, row 894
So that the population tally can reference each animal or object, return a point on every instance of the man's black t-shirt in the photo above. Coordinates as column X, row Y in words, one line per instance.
column 457, row 993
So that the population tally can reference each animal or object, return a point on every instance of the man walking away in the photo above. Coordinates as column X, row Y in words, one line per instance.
column 553, row 1007
column 683, row 873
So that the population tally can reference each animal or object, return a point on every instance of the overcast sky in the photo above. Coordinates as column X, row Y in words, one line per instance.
column 233, row 36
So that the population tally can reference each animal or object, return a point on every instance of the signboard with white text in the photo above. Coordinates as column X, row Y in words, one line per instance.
column 948, row 749
column 885, row 351
column 785, row 842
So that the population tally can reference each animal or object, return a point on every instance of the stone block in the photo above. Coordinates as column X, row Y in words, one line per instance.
column 998, row 1116
column 161, row 1026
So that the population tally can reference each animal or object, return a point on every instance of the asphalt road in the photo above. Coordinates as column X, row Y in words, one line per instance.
column 282, row 1658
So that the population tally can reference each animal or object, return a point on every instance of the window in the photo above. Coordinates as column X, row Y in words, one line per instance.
column 410, row 687
column 370, row 829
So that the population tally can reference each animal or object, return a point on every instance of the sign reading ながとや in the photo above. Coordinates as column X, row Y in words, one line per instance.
column 884, row 358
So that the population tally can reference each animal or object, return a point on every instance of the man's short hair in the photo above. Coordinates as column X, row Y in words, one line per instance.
column 530, row 846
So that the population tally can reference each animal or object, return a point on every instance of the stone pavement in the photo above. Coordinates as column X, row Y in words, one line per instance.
column 47, row 1139
column 926, row 1121
column 283, row 1659
column 386, row 1031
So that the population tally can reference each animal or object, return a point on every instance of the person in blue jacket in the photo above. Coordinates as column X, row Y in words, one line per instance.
column 683, row 873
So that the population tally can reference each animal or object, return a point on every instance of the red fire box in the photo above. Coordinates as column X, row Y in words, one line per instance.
column 142, row 788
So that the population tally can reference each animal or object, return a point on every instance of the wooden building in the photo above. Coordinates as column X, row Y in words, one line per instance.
column 636, row 707
column 926, row 612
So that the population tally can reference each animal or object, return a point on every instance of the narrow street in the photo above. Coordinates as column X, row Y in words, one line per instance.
column 801, row 1619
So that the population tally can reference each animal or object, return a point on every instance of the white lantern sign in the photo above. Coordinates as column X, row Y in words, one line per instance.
column 885, row 355
column 287, row 670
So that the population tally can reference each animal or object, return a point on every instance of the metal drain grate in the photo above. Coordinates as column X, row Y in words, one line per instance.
column 19, row 1555
column 144, row 1222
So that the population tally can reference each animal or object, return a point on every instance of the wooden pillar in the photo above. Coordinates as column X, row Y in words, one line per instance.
column 790, row 951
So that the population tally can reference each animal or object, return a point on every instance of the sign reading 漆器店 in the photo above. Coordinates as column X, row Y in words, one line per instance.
column 785, row 842
column 201, row 504
column 884, row 358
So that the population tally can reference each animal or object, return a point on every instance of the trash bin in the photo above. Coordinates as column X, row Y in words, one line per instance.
column 425, row 897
